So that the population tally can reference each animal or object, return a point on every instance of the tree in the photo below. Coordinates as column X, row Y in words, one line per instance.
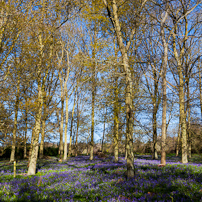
column 113, row 14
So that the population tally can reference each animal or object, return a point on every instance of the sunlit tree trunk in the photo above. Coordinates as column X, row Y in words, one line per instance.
column 40, row 99
column 12, row 157
column 181, row 94
column 92, row 120
column 43, row 126
column 71, row 130
column 128, row 79
column 178, row 139
column 36, row 131
column 66, row 125
column 77, row 127
column 58, row 124
column 61, row 128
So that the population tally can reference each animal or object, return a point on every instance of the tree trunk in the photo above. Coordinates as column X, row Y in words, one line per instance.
column 25, row 137
column 103, row 135
column 66, row 125
column 182, row 117
column 163, row 130
column 92, row 111
column 128, row 100
column 42, row 138
column 77, row 127
column 12, row 157
column 71, row 130
column 31, row 145
column 165, row 60
column 61, row 128
column 178, row 139
column 182, row 107
column 36, row 131
column 188, row 115
column 25, row 144
column 200, row 89
column 116, row 124
column 92, row 124
column 37, row 127
column 155, row 154
column 58, row 124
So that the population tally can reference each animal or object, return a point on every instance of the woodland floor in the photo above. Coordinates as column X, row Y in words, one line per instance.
column 79, row 179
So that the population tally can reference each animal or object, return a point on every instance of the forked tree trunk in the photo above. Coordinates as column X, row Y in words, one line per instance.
column 36, row 131
column 128, row 101
column 37, row 127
